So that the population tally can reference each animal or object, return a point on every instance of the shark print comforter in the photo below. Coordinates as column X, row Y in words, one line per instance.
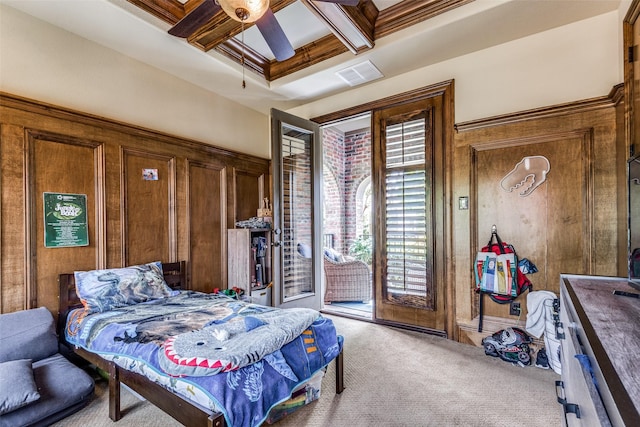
column 226, row 355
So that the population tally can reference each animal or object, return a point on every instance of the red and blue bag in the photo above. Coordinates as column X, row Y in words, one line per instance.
column 497, row 273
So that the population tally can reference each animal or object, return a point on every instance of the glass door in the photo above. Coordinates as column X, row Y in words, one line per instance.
column 296, row 159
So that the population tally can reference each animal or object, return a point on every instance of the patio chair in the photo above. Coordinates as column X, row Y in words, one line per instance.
column 346, row 281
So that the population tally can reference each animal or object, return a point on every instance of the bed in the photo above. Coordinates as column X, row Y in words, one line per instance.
column 145, row 354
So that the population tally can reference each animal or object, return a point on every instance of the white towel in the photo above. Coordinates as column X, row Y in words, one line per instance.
column 536, row 311
column 540, row 320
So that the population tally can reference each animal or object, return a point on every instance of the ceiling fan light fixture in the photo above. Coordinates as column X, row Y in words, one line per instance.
column 246, row 11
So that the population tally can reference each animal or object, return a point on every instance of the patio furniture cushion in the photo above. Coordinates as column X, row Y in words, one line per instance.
column 304, row 250
column 333, row 255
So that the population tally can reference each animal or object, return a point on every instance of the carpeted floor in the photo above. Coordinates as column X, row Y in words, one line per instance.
column 394, row 378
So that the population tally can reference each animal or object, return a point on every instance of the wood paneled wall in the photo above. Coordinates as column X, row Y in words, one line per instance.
column 573, row 223
column 183, row 215
column 568, row 224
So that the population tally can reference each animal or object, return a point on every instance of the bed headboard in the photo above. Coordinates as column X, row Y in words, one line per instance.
column 174, row 274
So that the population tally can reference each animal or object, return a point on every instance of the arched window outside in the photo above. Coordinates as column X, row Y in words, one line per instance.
column 363, row 208
column 362, row 246
column 333, row 208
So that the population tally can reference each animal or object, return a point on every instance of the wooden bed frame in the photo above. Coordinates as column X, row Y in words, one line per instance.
column 182, row 410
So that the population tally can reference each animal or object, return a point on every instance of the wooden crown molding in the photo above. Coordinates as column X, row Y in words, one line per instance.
column 408, row 13
column 401, row 98
column 609, row 100
column 20, row 103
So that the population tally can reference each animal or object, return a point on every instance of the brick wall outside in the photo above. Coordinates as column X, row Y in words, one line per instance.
column 347, row 162
column 333, row 175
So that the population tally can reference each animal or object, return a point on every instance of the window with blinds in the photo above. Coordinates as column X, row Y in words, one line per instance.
column 407, row 208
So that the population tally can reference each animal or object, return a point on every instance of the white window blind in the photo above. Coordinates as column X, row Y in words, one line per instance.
column 406, row 204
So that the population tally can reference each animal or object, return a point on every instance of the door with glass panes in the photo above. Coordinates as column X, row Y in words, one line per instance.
column 297, row 166
column 409, row 189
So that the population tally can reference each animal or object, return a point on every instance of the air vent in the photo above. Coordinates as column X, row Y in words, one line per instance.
column 360, row 73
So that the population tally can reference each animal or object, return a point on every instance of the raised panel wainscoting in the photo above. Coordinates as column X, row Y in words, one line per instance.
column 150, row 197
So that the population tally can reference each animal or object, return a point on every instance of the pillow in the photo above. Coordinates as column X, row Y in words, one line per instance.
column 104, row 290
column 17, row 386
column 333, row 255
column 328, row 254
column 304, row 250
column 338, row 256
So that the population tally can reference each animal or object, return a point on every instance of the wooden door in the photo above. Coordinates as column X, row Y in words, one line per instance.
column 409, row 198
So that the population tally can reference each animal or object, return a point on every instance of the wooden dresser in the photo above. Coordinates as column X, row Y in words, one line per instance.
column 603, row 331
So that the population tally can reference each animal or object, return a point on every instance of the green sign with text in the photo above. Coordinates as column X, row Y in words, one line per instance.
column 65, row 220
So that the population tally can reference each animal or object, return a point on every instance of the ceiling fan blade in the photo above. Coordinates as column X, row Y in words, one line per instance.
column 343, row 2
column 274, row 36
column 195, row 19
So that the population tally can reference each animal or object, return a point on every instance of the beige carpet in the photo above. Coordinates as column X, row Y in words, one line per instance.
column 395, row 378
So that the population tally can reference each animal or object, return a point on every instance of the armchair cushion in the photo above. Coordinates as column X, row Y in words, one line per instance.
column 27, row 334
column 333, row 255
column 17, row 386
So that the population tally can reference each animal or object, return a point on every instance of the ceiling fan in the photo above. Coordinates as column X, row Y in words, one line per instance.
column 245, row 11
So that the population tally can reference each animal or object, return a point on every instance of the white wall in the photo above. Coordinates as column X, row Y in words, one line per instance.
column 42, row 62
column 577, row 61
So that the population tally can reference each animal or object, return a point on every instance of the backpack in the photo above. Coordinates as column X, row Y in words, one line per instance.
column 517, row 282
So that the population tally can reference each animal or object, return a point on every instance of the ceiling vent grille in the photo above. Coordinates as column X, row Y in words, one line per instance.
column 359, row 73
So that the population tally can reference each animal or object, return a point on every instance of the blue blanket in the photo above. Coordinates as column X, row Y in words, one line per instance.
column 135, row 337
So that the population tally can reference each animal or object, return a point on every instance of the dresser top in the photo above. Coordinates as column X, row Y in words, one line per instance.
column 615, row 322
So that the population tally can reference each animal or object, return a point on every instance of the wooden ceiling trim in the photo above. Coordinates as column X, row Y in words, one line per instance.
column 190, row 5
column 270, row 70
column 309, row 54
column 220, row 31
column 253, row 61
column 170, row 11
column 407, row 13
column 364, row 17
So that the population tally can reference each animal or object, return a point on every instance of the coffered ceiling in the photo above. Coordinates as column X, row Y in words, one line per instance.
column 403, row 35
column 307, row 23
